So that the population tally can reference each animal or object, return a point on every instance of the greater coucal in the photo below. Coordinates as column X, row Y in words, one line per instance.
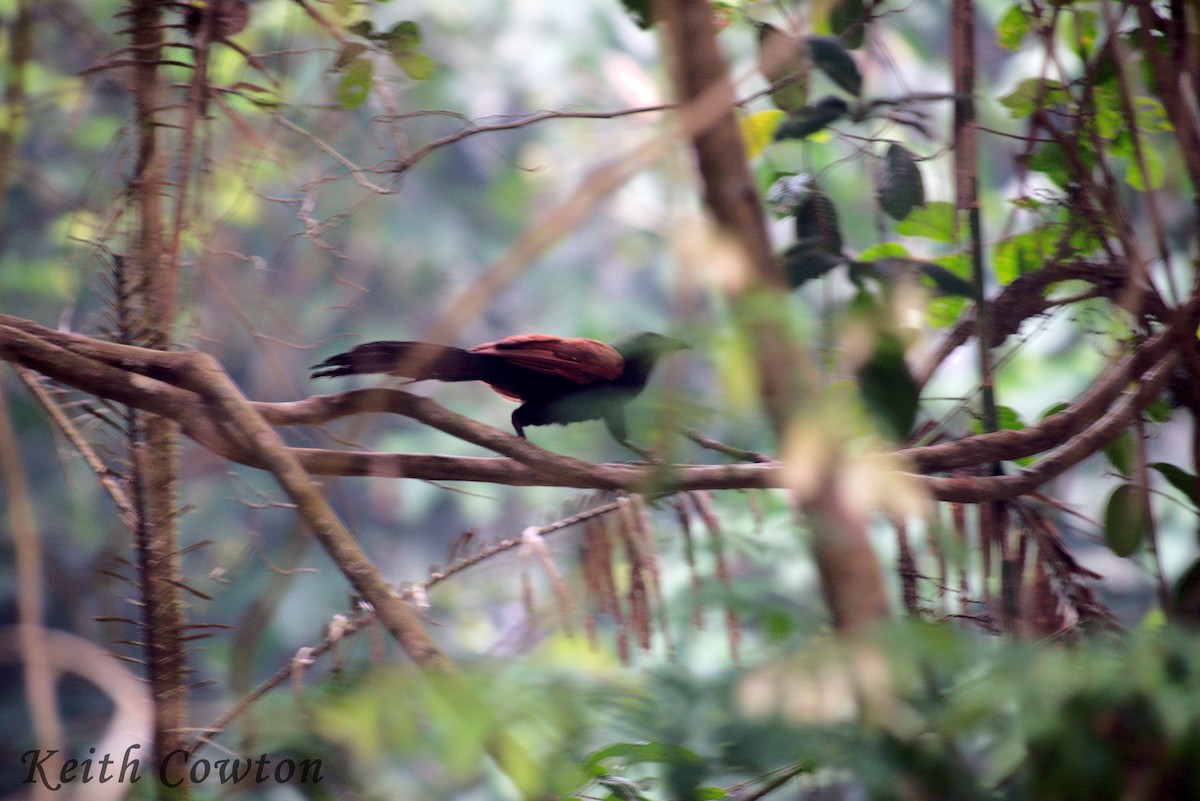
column 556, row 379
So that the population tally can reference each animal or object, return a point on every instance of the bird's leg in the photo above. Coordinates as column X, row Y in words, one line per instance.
column 516, row 424
column 647, row 455
column 615, row 422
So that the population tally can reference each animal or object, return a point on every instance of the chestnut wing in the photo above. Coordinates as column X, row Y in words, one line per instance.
column 583, row 361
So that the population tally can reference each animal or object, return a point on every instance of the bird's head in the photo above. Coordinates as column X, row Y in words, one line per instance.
column 648, row 347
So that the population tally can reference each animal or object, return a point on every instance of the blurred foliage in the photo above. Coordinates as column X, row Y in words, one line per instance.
column 946, row 714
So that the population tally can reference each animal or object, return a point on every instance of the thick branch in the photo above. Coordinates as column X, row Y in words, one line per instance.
column 205, row 377
column 106, row 372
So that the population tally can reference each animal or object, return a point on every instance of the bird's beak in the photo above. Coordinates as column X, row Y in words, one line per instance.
column 677, row 344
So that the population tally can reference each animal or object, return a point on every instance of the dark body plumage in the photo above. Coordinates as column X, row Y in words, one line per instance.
column 556, row 379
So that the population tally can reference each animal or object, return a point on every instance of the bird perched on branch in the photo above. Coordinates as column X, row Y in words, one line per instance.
column 557, row 380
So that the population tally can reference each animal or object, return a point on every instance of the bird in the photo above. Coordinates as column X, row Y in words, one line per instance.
column 557, row 380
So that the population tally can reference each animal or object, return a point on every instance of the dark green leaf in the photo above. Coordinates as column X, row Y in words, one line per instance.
column 848, row 19
column 810, row 119
column 830, row 55
column 363, row 29
column 804, row 262
column 1125, row 520
column 817, row 223
column 1121, row 451
column 1181, row 480
column 640, row 11
column 900, row 188
column 1106, row 66
column 888, row 388
column 348, row 54
column 1187, row 596
column 355, row 85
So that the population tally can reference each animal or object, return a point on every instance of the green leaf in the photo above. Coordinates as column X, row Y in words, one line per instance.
column 637, row 753
column 1181, row 480
column 405, row 33
column 900, row 188
column 1121, row 451
column 1032, row 94
column 1024, row 253
column 817, row 223
column 1109, row 119
column 1009, row 419
column 811, row 119
column 1012, row 27
column 1159, row 411
column 888, row 388
column 355, row 85
column 935, row 220
column 1055, row 409
column 830, row 55
column 1153, row 176
column 1051, row 160
column 945, row 312
column 416, row 65
column 884, row 250
column 1125, row 520
column 1087, row 26
column 783, row 60
column 362, row 28
column 1150, row 114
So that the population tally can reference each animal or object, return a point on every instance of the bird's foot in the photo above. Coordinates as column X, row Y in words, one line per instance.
column 648, row 457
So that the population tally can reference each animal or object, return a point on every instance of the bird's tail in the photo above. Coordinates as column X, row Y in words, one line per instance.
column 415, row 360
